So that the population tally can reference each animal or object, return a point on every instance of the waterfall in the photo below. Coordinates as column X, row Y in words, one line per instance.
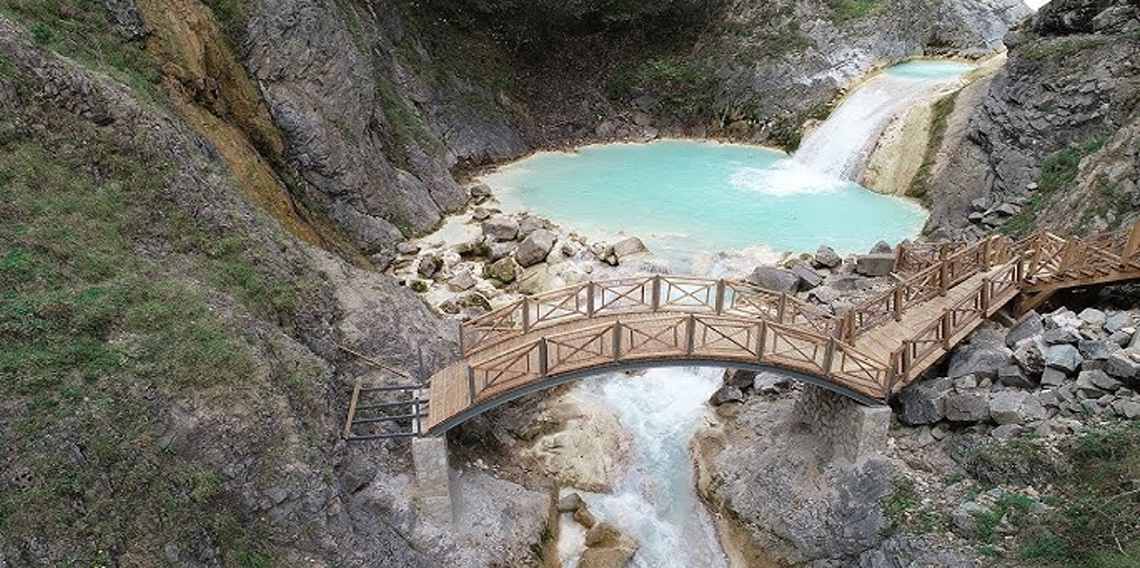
column 841, row 145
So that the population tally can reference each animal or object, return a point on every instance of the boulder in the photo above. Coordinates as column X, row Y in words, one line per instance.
column 967, row 408
column 965, row 519
column 1129, row 409
column 530, row 224
column 1063, row 357
column 628, row 247
column 1095, row 349
column 1028, row 326
column 481, row 214
column 1118, row 321
column 1013, row 376
column 501, row 228
column 1062, row 317
column 920, row 405
column 882, row 247
column 1013, row 407
column 775, row 279
column 726, row 394
column 1061, row 335
column 480, row 193
column 463, row 280
column 808, row 277
column 825, row 257
column 1095, row 384
column 769, row 383
column 1029, row 357
column 1093, row 317
column 535, row 247
column 980, row 360
column 475, row 248
column 874, row 265
column 1123, row 365
column 1052, row 377
column 428, row 266
column 739, row 378
column 570, row 502
column 505, row 270
column 407, row 248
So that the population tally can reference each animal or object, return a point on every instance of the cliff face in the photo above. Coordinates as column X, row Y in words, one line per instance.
column 1056, row 133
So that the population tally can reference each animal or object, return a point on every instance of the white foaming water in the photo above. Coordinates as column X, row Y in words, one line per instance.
column 840, row 146
column 656, row 502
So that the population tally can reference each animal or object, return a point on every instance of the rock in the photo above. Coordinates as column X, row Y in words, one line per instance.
column 1052, row 377
column 530, row 224
column 1029, row 357
column 1007, row 209
column 480, row 193
column 1028, row 326
column 1098, row 379
column 965, row 383
column 1093, row 317
column 535, row 247
column 919, row 405
column 965, row 519
column 570, row 502
column 499, row 251
column 882, row 247
column 605, row 558
column 481, row 214
column 1061, row 335
column 1006, row 432
column 382, row 260
column 505, row 270
column 1013, row 376
column 981, row 360
column 1120, row 338
column 874, row 265
column 428, row 266
column 1124, row 366
column 726, row 394
column 1118, row 321
column 967, row 408
column 641, row 118
column 628, row 247
column 475, row 248
column 1063, row 357
column 463, row 280
column 1095, row 350
column 825, row 257
column 357, row 473
column 769, row 383
column 1012, row 407
column 584, row 517
column 1061, row 318
column 407, row 248
column 501, row 228
column 808, row 278
column 1129, row 409
column 775, row 279
column 739, row 378
column 605, row 535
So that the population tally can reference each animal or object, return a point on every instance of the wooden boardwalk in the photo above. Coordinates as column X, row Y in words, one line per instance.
column 868, row 353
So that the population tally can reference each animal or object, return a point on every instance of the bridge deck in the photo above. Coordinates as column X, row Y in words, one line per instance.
column 872, row 351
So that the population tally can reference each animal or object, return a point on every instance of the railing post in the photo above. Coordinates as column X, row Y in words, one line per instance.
column 829, row 357
column 898, row 301
column 655, row 300
column 892, row 374
column 986, row 254
column 543, row 362
column 590, row 299
column 985, row 297
column 462, row 341
column 526, row 314
column 780, row 309
column 719, row 296
column 906, row 358
column 763, row 341
column 1133, row 245
column 471, row 385
column 947, row 327
column 943, row 278
column 617, row 341
column 690, row 335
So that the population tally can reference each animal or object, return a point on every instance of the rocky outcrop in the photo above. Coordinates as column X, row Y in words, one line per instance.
column 1054, row 140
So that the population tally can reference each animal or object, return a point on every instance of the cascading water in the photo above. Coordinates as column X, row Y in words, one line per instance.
column 655, row 502
column 839, row 147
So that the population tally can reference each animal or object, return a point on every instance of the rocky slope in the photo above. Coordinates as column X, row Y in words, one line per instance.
column 1054, row 139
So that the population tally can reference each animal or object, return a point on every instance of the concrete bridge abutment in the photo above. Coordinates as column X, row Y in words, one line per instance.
column 433, row 479
column 846, row 429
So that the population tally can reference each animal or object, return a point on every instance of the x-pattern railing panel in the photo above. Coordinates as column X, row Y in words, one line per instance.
column 651, row 338
column 687, row 294
column 718, row 336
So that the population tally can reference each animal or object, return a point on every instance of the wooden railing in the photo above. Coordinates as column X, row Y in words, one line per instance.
column 664, row 336
column 651, row 294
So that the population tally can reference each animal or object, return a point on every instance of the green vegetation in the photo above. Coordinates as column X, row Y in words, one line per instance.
column 940, row 115
column 231, row 17
column 1055, row 48
column 849, row 10
column 80, row 29
column 685, row 86
column 1058, row 171
column 108, row 298
column 904, row 509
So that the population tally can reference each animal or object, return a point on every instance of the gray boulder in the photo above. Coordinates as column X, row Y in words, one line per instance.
column 825, row 257
column 530, row 224
column 809, row 278
column 505, row 270
column 920, row 405
column 769, row 383
column 775, row 279
column 1029, row 357
column 428, row 266
column 981, row 360
column 501, row 228
column 726, row 394
column 967, row 408
column 882, row 247
column 1052, row 377
column 1093, row 317
column 739, row 378
column 875, row 265
column 1096, row 350
column 1063, row 357
column 462, row 280
column 1013, row 376
column 480, row 193
column 1118, row 321
column 1013, row 407
column 535, row 247
column 1095, row 384
column 628, row 247
column 1061, row 335
column 1028, row 326
column 1124, row 366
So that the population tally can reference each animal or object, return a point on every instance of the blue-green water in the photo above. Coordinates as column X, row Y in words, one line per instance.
column 685, row 198
column 928, row 70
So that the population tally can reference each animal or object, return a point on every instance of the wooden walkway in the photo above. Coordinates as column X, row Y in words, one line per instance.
column 868, row 353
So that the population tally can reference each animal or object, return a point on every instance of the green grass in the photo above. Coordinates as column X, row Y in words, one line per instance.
column 940, row 115
column 81, row 29
column 106, row 312
column 845, row 11
column 1058, row 171
column 906, row 513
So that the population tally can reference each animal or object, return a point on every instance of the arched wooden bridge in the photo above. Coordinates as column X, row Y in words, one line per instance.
column 878, row 347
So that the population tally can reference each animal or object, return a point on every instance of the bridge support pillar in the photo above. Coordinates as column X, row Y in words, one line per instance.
column 846, row 430
column 433, row 479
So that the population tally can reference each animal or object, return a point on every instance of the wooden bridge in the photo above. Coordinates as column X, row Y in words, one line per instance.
column 944, row 291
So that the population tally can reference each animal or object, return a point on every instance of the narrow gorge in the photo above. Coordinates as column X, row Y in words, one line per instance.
column 227, row 226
